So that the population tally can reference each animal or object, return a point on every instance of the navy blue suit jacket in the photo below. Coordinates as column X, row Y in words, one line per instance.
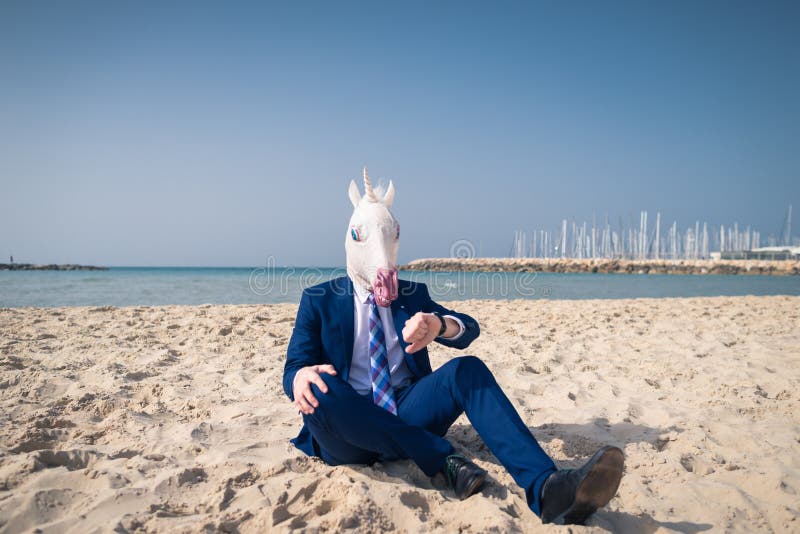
column 324, row 333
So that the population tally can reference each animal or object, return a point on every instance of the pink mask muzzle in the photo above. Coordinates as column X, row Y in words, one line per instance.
column 385, row 287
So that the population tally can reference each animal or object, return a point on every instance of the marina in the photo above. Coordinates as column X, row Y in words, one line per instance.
column 694, row 242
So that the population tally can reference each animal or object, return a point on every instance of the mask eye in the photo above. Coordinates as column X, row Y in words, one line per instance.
column 355, row 234
column 397, row 232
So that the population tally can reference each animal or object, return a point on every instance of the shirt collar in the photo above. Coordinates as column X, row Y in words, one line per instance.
column 361, row 294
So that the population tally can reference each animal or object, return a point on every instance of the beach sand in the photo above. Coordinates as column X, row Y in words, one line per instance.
column 174, row 419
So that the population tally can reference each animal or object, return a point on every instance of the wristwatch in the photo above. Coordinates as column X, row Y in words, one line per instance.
column 443, row 329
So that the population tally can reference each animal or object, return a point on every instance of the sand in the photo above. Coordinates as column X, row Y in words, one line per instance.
column 173, row 419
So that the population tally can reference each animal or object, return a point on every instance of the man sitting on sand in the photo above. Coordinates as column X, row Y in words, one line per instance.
column 368, row 394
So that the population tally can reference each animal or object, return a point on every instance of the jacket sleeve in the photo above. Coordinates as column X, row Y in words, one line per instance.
column 305, row 345
column 471, row 328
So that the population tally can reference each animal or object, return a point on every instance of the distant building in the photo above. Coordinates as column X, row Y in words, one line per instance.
column 763, row 253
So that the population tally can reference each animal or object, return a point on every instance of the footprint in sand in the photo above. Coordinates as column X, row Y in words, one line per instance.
column 125, row 453
column 46, row 506
column 694, row 464
column 136, row 376
column 73, row 460
column 192, row 475
column 414, row 500
column 302, row 497
column 324, row 507
column 201, row 432
column 35, row 439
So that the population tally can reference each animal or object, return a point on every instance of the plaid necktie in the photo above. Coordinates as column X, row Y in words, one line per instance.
column 382, row 391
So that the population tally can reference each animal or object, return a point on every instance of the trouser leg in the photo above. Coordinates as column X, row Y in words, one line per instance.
column 466, row 385
column 349, row 428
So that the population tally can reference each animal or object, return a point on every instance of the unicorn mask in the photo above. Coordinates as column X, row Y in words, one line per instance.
column 372, row 240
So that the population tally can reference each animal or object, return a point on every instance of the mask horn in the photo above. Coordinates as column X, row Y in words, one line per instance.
column 369, row 194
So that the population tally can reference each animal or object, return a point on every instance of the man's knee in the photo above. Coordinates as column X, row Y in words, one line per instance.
column 469, row 369
column 334, row 384
column 472, row 364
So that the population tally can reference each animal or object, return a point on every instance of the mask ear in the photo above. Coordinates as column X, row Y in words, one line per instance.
column 388, row 198
column 355, row 196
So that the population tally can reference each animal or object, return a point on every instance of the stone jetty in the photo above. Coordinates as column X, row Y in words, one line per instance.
column 570, row 265
column 49, row 267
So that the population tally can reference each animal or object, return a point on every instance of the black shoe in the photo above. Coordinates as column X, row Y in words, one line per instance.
column 463, row 476
column 570, row 496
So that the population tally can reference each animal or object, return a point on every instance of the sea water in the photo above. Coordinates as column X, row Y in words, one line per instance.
column 157, row 286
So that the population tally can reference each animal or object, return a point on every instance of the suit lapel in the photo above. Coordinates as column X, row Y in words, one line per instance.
column 399, row 318
column 346, row 312
column 400, row 314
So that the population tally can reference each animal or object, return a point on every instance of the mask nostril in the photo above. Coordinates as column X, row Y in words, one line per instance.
column 385, row 286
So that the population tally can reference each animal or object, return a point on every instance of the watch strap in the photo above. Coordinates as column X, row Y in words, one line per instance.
column 443, row 328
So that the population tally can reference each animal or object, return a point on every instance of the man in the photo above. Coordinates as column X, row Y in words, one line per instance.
column 358, row 370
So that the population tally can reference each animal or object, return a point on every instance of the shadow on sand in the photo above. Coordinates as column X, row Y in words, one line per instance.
column 642, row 524
column 578, row 442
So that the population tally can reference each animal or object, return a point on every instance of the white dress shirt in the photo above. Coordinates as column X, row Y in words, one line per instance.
column 400, row 374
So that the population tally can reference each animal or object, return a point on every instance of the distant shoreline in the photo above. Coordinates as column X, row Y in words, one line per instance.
column 570, row 265
column 49, row 267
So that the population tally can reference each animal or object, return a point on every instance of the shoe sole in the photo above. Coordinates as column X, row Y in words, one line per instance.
column 474, row 485
column 598, row 485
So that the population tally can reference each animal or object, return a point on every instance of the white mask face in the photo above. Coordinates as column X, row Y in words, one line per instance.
column 372, row 240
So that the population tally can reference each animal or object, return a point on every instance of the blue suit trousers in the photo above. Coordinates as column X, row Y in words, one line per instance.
column 350, row 429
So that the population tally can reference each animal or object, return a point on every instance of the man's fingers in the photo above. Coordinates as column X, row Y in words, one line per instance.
column 419, row 343
column 414, row 347
column 310, row 398
column 304, row 398
column 416, row 322
column 415, row 334
column 303, row 394
column 303, row 405
column 323, row 387
column 326, row 368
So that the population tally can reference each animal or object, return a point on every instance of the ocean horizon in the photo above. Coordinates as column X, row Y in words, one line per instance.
column 161, row 286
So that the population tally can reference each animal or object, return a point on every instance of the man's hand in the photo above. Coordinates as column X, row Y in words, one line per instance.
column 304, row 399
column 420, row 330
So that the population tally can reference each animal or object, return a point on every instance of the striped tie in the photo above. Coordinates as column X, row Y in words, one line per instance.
column 382, row 391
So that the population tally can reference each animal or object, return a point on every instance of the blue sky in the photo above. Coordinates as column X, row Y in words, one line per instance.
column 220, row 133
